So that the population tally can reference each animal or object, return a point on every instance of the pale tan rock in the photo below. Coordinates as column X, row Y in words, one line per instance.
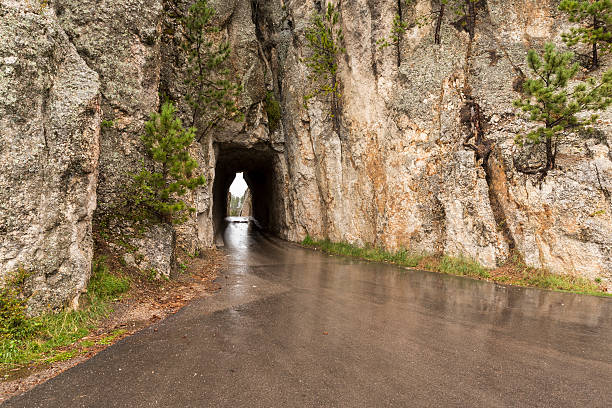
column 49, row 152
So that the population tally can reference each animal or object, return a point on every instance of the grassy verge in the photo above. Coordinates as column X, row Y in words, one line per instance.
column 43, row 339
column 513, row 273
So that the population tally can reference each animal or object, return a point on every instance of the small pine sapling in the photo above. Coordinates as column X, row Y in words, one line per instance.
column 464, row 10
column 167, row 143
column 324, row 39
column 397, row 31
column 557, row 106
column 211, row 92
column 595, row 23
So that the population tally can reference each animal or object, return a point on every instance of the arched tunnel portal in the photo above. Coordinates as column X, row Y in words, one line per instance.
column 260, row 166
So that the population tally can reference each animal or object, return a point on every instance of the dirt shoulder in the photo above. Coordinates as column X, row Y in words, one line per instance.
column 146, row 303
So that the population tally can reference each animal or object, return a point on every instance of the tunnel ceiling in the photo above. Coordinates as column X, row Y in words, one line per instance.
column 237, row 159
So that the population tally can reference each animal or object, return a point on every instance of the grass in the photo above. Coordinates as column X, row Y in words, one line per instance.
column 514, row 272
column 108, row 340
column 402, row 257
column 53, row 331
column 43, row 339
column 561, row 283
column 105, row 285
column 463, row 267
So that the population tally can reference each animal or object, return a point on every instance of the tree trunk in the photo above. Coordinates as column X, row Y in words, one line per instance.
column 471, row 18
column 595, row 56
column 439, row 24
column 550, row 155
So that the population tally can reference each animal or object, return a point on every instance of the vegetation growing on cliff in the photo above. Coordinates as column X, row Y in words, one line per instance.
column 273, row 110
column 324, row 40
column 463, row 10
column 514, row 272
column 557, row 107
column 211, row 90
column 159, row 191
column 397, row 30
column 211, row 93
column 595, row 22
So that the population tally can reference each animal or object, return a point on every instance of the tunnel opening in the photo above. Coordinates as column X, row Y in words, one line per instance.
column 258, row 166
column 238, row 193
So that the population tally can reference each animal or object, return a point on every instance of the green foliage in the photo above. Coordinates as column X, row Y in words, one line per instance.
column 14, row 322
column 24, row 339
column 595, row 19
column 107, row 124
column 556, row 106
column 105, row 285
column 324, row 40
column 462, row 266
column 235, row 205
column 273, row 110
column 39, row 339
column 211, row 92
column 397, row 31
column 513, row 273
column 17, row 279
column 167, row 143
column 401, row 257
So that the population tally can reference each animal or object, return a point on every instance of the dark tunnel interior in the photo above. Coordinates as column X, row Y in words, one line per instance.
column 258, row 166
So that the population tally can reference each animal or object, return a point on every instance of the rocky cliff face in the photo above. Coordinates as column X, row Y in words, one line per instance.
column 49, row 152
column 422, row 155
column 407, row 169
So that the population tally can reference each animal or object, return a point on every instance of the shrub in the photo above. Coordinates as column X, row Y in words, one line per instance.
column 273, row 110
column 14, row 322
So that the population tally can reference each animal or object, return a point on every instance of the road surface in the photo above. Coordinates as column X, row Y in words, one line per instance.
column 296, row 328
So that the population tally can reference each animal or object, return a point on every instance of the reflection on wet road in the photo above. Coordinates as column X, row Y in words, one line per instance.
column 293, row 328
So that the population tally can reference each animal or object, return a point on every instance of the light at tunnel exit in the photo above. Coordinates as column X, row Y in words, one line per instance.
column 239, row 186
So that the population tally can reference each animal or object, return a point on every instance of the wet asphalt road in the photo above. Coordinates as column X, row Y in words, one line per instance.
column 295, row 328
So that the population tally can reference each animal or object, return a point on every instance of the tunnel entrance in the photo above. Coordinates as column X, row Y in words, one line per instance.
column 258, row 167
column 238, row 195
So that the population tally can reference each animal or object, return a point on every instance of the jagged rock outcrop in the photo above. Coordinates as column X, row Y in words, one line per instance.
column 121, row 40
column 49, row 151
column 421, row 154
column 247, row 205
column 399, row 174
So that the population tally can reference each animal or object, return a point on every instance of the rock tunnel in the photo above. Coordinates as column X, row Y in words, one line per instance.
column 262, row 174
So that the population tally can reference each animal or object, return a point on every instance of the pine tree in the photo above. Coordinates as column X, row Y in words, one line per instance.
column 595, row 17
column 556, row 105
column 210, row 91
column 464, row 10
column 324, row 40
column 167, row 143
column 397, row 31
